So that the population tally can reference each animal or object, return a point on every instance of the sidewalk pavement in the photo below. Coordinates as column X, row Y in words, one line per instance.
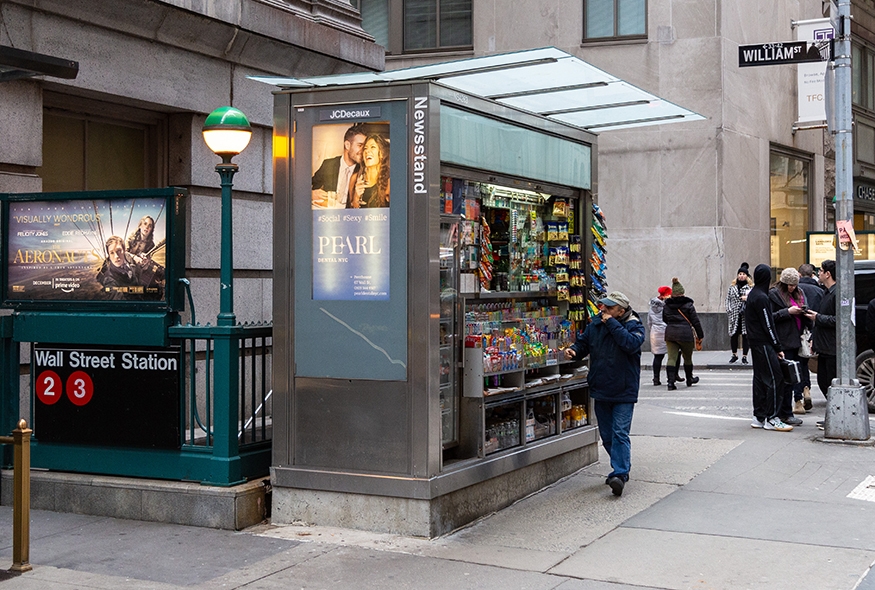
column 712, row 504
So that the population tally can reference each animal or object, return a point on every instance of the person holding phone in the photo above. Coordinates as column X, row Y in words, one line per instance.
column 613, row 340
column 788, row 306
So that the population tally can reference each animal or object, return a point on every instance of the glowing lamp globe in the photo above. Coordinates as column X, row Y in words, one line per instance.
column 227, row 132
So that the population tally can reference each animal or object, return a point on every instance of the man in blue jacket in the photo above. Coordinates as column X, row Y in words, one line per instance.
column 613, row 342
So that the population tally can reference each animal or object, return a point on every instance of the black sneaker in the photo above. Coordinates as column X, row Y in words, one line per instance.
column 744, row 360
column 792, row 421
column 733, row 359
column 820, row 424
column 617, row 485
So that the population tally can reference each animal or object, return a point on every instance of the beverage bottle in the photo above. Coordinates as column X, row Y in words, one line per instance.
column 530, row 425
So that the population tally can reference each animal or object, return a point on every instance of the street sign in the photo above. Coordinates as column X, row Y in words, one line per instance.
column 771, row 54
column 107, row 396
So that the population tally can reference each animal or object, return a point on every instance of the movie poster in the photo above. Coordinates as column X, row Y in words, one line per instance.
column 87, row 250
column 350, row 203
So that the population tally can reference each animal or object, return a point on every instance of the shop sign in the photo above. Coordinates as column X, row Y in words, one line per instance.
column 126, row 397
column 866, row 192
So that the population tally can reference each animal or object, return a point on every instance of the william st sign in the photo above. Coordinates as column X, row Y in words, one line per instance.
column 773, row 54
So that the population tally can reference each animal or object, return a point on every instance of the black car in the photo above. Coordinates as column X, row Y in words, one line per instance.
column 864, row 291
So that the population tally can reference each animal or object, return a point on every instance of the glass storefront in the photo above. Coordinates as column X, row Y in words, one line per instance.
column 789, row 188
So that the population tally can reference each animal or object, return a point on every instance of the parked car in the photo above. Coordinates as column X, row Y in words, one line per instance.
column 864, row 291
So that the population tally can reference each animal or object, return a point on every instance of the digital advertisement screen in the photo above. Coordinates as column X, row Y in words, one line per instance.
column 350, row 203
column 87, row 250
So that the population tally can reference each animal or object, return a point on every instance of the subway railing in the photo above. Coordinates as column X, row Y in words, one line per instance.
column 225, row 411
column 226, row 408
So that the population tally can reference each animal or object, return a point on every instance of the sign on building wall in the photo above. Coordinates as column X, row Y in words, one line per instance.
column 811, row 77
column 98, row 396
column 822, row 246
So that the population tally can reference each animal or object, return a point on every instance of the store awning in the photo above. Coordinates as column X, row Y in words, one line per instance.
column 18, row 63
column 548, row 82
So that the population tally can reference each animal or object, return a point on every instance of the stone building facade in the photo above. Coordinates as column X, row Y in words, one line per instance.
column 691, row 200
column 149, row 73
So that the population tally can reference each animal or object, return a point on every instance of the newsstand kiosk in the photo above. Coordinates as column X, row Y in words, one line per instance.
column 423, row 299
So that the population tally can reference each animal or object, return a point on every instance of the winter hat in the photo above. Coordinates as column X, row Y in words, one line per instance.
column 745, row 268
column 664, row 291
column 677, row 290
column 790, row 276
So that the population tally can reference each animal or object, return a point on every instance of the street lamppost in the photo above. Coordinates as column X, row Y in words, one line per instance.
column 226, row 132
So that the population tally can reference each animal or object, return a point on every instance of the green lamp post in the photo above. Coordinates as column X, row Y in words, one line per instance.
column 227, row 132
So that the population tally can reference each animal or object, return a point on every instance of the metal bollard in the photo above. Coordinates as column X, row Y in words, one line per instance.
column 21, row 497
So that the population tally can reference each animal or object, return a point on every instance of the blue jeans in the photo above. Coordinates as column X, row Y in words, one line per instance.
column 615, row 421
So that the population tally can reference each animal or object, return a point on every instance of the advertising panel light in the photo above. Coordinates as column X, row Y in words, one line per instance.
column 92, row 248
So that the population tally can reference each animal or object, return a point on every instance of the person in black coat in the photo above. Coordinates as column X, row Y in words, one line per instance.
column 814, row 292
column 682, row 327
column 788, row 310
column 808, row 283
column 765, row 350
column 824, row 318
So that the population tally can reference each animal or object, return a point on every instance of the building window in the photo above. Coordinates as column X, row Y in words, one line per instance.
column 411, row 26
column 863, row 77
column 614, row 19
column 96, row 146
column 789, row 186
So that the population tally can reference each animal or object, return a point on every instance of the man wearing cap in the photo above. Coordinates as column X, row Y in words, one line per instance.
column 613, row 343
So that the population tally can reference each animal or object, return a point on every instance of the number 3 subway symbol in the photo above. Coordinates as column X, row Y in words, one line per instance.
column 48, row 387
column 80, row 388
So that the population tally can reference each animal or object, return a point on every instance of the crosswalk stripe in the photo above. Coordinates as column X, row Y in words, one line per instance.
column 697, row 415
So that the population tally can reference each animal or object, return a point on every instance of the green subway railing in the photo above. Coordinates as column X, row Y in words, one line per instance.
column 225, row 412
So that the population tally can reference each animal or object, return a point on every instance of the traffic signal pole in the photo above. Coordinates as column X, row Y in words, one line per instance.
column 847, row 413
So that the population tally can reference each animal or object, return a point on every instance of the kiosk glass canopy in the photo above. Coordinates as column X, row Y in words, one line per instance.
column 548, row 82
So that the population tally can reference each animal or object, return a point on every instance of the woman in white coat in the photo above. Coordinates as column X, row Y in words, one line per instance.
column 656, row 326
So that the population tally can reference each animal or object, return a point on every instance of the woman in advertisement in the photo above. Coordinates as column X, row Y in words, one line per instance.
column 369, row 186
column 141, row 241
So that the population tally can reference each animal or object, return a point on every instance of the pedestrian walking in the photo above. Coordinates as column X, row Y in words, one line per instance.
column 656, row 326
column 765, row 351
column 788, row 306
column 613, row 342
column 682, row 328
column 736, row 296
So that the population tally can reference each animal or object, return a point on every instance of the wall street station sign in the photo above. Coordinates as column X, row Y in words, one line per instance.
column 772, row 54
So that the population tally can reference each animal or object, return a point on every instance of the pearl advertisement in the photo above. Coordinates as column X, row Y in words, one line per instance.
column 350, row 202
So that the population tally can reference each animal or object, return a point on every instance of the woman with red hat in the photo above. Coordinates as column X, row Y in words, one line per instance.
column 656, row 326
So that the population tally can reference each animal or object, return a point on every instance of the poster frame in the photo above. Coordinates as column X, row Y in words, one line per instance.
column 174, row 222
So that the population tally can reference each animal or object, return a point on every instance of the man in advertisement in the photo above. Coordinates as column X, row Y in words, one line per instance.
column 331, row 182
